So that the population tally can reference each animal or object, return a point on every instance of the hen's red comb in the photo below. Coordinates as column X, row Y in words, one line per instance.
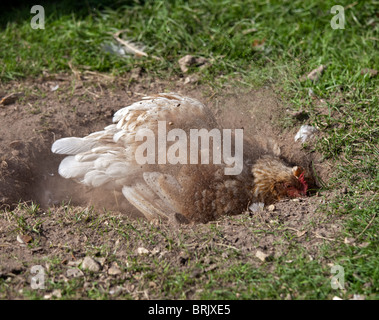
column 303, row 182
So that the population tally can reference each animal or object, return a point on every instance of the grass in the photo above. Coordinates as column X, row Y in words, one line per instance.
column 297, row 37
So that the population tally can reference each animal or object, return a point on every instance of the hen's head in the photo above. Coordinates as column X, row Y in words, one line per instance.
column 274, row 181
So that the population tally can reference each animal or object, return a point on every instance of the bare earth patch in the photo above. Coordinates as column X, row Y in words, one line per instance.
column 62, row 235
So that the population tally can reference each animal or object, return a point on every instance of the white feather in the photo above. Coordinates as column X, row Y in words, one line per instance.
column 70, row 168
column 96, row 178
column 72, row 145
column 165, row 186
column 140, row 196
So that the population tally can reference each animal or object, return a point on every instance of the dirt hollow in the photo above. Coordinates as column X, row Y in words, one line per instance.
column 28, row 174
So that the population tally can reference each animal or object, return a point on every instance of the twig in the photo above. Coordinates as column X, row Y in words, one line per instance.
column 228, row 246
column 74, row 71
column 368, row 226
column 131, row 47
column 329, row 239
column 100, row 75
column 128, row 45
column 96, row 95
column 351, row 5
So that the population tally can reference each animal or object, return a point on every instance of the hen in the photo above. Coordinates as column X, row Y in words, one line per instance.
column 200, row 192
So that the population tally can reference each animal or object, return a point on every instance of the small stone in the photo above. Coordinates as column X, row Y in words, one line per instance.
column 189, row 61
column 191, row 79
column 271, row 207
column 100, row 260
column 349, row 240
column 75, row 263
column 185, row 62
column 142, row 251
column 358, row 297
column 364, row 244
column 74, row 273
column 262, row 256
column 155, row 251
column 57, row 293
column 114, row 270
column 115, row 291
column 24, row 238
column 90, row 264
column 54, row 88
column 256, row 207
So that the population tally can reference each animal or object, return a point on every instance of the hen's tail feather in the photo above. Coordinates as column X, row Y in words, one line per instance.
column 70, row 168
column 72, row 145
column 166, row 187
column 140, row 196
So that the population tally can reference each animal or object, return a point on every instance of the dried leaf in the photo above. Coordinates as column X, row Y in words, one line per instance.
column 24, row 238
column 371, row 72
column 315, row 74
column 300, row 233
column 258, row 43
column 10, row 98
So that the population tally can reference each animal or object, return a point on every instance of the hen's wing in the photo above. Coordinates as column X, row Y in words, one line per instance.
column 107, row 158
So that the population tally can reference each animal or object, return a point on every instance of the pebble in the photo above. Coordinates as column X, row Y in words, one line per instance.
column 75, row 263
column 142, row 250
column 262, row 256
column 90, row 264
column 114, row 270
column 74, row 273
